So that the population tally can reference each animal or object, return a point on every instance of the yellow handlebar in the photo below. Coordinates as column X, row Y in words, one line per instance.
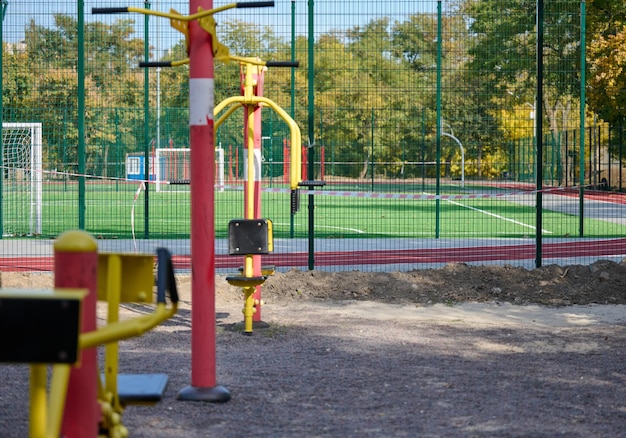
column 177, row 16
column 117, row 331
column 220, row 52
column 127, row 329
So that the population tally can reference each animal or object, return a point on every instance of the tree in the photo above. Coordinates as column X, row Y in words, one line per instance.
column 415, row 42
column 113, row 80
column 607, row 59
column 504, row 47
column 17, row 80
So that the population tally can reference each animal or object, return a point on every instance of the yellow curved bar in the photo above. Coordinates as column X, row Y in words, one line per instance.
column 181, row 23
column 218, row 109
column 295, row 165
column 247, row 60
column 171, row 15
column 126, row 329
column 176, row 16
column 226, row 115
column 180, row 62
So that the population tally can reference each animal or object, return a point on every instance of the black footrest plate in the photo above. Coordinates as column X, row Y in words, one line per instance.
column 241, row 281
column 135, row 389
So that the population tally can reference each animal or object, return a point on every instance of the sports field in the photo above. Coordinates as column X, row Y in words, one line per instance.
column 118, row 210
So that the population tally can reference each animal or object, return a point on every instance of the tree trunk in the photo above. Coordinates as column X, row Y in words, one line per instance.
column 363, row 174
column 105, row 159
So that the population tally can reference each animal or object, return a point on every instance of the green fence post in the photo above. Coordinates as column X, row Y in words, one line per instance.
column 372, row 148
column 292, row 106
column 423, row 150
column 539, row 136
column 81, row 115
column 117, row 173
column 311, row 154
column 581, row 176
column 438, row 135
column 146, row 126
column 4, row 8
column 621, row 143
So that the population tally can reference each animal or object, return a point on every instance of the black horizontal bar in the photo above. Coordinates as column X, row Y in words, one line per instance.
column 156, row 64
column 312, row 183
column 282, row 63
column 254, row 4
column 109, row 10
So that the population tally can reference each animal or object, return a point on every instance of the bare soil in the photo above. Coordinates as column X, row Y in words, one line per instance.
column 468, row 351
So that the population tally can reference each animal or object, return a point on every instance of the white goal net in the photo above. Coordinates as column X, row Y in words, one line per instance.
column 173, row 168
column 21, row 193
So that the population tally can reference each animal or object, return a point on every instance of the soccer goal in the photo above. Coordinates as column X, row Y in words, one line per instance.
column 21, row 193
column 173, row 167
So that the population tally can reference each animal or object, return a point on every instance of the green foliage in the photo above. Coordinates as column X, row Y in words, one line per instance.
column 374, row 84
column 42, row 85
column 607, row 65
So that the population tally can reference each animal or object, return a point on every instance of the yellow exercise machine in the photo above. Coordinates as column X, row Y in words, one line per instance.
column 128, row 278
column 251, row 68
column 45, row 329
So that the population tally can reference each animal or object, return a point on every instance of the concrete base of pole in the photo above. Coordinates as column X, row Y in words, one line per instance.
column 215, row 394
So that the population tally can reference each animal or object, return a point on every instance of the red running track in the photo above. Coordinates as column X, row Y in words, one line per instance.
column 595, row 195
column 585, row 249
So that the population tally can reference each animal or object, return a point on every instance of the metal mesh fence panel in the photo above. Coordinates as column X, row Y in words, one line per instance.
column 422, row 118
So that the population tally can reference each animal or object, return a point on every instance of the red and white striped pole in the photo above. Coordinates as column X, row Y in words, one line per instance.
column 201, row 138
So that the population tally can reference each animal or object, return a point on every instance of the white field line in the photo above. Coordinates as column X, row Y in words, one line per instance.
column 497, row 216
column 451, row 233
column 328, row 226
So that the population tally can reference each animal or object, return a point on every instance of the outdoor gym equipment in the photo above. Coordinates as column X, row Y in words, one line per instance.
column 58, row 327
column 253, row 228
column 128, row 278
column 254, row 233
column 251, row 99
column 42, row 326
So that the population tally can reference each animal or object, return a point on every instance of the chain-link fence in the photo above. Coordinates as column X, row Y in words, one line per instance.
column 424, row 119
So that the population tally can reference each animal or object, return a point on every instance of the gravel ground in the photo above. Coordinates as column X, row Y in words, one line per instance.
column 338, row 359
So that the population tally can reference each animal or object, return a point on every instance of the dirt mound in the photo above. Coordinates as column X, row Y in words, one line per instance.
column 600, row 283
column 603, row 282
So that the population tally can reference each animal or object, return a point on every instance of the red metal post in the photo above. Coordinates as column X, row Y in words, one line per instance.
column 236, row 164
column 201, row 130
column 304, row 163
column 230, row 164
column 256, row 195
column 76, row 266
column 286, row 159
